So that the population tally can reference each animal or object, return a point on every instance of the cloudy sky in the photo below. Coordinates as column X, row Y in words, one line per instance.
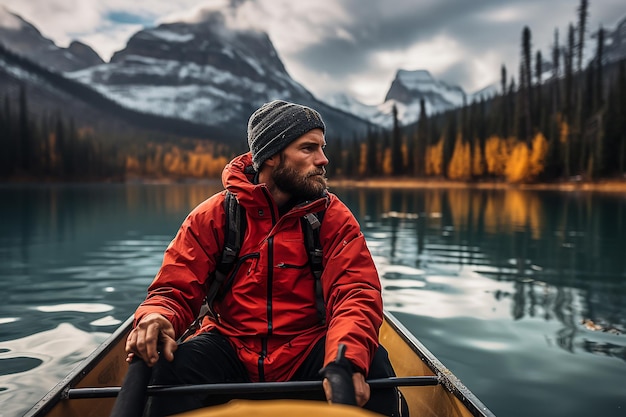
column 350, row 46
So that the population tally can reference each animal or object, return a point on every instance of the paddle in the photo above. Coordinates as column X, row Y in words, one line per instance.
column 247, row 387
column 131, row 396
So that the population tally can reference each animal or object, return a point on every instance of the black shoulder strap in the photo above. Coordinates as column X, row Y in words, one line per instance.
column 311, row 224
column 234, row 229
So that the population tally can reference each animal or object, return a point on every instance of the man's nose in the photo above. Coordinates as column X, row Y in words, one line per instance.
column 321, row 159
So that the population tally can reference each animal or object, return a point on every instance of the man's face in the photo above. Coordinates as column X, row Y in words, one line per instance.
column 301, row 171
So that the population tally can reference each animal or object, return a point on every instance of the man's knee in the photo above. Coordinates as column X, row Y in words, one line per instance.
column 381, row 365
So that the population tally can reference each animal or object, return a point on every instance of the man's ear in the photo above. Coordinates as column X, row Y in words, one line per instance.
column 273, row 160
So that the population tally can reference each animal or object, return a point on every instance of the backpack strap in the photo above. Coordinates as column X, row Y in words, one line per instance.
column 311, row 224
column 234, row 230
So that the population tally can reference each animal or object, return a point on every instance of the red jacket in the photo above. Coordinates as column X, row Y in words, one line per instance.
column 272, row 297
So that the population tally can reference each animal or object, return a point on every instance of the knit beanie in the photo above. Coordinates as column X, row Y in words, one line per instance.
column 275, row 125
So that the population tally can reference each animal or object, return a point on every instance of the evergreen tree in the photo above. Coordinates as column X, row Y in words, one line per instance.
column 569, row 103
column 538, row 116
column 397, row 165
column 421, row 141
column 373, row 152
column 24, row 144
column 556, row 66
column 599, row 63
column 6, row 141
column 525, row 93
column 449, row 139
column 503, row 111
column 615, row 130
column 583, row 15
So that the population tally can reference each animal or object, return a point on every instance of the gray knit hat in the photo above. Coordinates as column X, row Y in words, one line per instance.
column 275, row 125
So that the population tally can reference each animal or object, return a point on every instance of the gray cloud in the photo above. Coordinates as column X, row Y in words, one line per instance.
column 352, row 46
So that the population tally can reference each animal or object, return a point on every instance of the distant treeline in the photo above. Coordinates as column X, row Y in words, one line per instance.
column 51, row 147
column 572, row 125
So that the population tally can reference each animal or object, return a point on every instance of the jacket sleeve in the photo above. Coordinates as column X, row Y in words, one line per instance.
column 178, row 290
column 352, row 288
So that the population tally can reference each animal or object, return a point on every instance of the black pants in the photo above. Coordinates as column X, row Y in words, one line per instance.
column 210, row 359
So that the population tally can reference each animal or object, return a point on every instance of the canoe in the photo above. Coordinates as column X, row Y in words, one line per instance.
column 89, row 390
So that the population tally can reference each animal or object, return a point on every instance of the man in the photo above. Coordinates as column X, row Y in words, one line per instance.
column 267, row 326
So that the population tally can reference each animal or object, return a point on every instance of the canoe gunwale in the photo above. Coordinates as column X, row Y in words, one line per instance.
column 59, row 392
column 446, row 378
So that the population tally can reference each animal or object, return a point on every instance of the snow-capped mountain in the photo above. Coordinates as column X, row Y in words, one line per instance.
column 18, row 35
column 195, row 71
column 406, row 91
column 203, row 72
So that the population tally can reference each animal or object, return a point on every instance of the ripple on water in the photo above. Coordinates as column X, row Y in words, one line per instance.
column 106, row 321
column 78, row 307
column 37, row 362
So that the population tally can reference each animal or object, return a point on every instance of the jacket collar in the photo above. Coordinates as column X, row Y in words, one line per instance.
column 240, row 178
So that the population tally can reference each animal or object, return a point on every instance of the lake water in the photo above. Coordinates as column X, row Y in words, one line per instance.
column 521, row 294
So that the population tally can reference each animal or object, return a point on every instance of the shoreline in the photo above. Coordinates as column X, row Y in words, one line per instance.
column 612, row 186
column 616, row 185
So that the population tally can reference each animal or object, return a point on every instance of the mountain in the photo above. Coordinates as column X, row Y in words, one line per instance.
column 49, row 93
column 405, row 92
column 23, row 38
column 204, row 72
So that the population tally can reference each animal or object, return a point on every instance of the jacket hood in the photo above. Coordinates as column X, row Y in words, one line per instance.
column 238, row 178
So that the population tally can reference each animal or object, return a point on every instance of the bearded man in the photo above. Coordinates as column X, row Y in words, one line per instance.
column 266, row 324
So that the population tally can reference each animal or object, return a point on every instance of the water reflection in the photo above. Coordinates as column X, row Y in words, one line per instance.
column 556, row 256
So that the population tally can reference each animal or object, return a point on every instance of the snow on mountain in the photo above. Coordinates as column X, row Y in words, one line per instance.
column 205, row 72
column 411, row 86
column 21, row 37
column 485, row 93
column 406, row 91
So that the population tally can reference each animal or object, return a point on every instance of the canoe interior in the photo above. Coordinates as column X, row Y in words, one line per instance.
column 107, row 367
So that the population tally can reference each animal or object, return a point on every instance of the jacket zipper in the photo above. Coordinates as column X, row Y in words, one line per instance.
column 270, row 270
column 262, row 359
column 270, row 283
column 292, row 266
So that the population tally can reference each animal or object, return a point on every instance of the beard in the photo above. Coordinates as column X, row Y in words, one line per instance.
column 309, row 186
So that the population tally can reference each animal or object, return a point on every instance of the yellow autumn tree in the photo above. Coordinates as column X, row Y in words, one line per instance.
column 478, row 166
column 173, row 161
column 434, row 159
column 460, row 167
column 496, row 155
column 518, row 166
column 131, row 164
column 362, row 168
column 538, row 155
column 387, row 166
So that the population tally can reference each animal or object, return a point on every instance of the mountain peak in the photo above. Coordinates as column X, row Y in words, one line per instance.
column 417, row 77
column 409, row 87
column 10, row 20
column 22, row 38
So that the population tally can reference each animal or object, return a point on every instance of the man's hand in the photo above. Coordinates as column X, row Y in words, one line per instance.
column 152, row 332
column 361, row 389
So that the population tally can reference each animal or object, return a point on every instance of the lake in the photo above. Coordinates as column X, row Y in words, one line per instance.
column 521, row 294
